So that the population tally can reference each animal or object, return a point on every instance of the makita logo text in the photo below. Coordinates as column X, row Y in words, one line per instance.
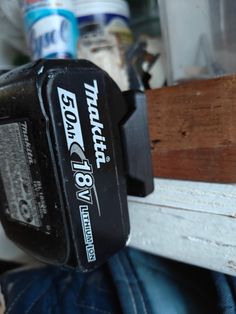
column 99, row 140
column 28, row 148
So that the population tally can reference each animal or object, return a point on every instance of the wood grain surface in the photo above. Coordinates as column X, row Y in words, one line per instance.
column 192, row 222
column 193, row 130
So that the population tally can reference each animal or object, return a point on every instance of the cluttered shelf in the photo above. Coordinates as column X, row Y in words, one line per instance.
column 190, row 221
column 71, row 152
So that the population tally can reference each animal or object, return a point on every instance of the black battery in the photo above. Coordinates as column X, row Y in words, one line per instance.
column 63, row 188
column 72, row 146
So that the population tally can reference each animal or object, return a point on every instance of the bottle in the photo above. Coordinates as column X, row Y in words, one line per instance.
column 105, row 36
column 51, row 28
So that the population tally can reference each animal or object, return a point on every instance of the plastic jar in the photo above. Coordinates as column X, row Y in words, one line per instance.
column 199, row 37
column 105, row 36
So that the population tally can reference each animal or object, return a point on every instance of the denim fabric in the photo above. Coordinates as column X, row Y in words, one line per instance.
column 132, row 282
column 131, row 294
column 226, row 291
column 175, row 288
column 52, row 290
column 113, row 288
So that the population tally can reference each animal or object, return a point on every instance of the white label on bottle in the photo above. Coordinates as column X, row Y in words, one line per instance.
column 50, row 35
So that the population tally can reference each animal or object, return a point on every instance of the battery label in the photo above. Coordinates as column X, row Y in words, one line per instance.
column 89, row 152
column 81, row 167
column 25, row 198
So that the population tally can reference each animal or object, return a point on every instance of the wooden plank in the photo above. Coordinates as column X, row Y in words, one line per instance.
column 193, row 130
column 201, row 232
column 212, row 198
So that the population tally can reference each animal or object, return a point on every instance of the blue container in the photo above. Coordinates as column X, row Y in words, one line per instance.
column 51, row 28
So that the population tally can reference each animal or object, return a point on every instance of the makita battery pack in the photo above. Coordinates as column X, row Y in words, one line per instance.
column 63, row 171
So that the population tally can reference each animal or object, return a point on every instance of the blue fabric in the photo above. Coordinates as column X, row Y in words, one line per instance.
column 52, row 290
column 113, row 288
column 226, row 292
column 129, row 288
column 174, row 288
column 132, row 282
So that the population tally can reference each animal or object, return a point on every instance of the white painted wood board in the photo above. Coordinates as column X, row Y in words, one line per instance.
column 187, row 221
